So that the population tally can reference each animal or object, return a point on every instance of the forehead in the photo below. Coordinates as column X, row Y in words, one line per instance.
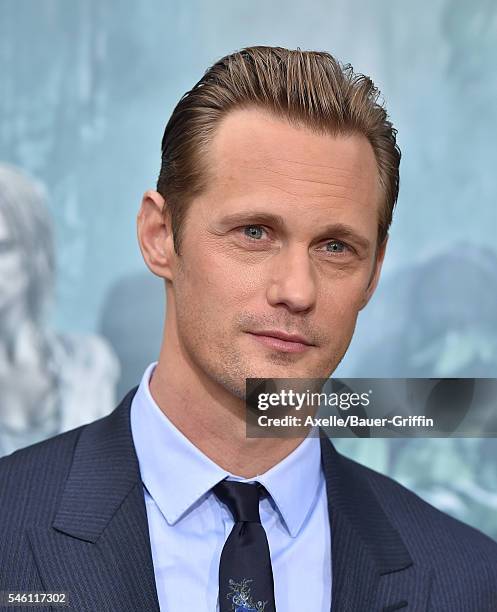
column 252, row 149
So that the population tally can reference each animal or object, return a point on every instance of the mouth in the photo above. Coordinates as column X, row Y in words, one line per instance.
column 281, row 341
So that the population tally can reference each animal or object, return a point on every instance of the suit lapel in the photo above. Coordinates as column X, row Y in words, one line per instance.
column 98, row 547
column 371, row 566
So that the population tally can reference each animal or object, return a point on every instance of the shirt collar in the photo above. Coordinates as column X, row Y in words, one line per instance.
column 161, row 447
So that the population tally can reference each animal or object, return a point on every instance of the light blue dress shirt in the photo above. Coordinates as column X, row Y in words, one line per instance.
column 188, row 525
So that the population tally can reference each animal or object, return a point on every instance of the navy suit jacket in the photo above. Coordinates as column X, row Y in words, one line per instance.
column 73, row 519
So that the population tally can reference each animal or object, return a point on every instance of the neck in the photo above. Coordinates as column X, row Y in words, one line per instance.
column 211, row 417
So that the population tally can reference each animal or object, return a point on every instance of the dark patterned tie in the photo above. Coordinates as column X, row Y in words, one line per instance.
column 245, row 572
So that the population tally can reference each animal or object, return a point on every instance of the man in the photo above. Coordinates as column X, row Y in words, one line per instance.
column 269, row 226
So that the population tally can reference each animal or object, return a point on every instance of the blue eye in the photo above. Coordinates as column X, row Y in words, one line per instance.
column 253, row 231
column 337, row 246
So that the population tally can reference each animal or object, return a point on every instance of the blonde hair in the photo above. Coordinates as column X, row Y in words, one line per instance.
column 307, row 88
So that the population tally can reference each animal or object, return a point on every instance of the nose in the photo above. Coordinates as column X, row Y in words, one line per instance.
column 292, row 280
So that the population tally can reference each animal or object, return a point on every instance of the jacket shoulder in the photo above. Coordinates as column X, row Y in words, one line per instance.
column 427, row 531
column 32, row 479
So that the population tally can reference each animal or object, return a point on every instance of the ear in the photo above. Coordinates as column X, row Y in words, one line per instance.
column 155, row 235
column 375, row 276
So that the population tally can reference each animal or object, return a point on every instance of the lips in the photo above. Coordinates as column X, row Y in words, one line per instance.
column 281, row 335
column 281, row 341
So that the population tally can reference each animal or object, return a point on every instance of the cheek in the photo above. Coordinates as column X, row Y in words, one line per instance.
column 209, row 295
column 344, row 295
column 225, row 285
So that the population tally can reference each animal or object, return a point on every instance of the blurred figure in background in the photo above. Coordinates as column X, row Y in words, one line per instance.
column 49, row 382
column 439, row 316
column 430, row 320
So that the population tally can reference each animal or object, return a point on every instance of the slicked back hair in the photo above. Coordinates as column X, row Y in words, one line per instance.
column 307, row 88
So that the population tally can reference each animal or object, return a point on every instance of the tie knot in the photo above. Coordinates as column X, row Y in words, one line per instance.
column 242, row 498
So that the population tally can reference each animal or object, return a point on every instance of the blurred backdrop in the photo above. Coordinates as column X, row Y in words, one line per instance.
column 86, row 88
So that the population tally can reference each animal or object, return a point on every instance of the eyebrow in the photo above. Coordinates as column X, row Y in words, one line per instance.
column 338, row 230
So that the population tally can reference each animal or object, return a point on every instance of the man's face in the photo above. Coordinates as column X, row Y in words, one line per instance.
column 282, row 239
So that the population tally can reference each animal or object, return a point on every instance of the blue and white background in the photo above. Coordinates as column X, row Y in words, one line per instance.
column 86, row 88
